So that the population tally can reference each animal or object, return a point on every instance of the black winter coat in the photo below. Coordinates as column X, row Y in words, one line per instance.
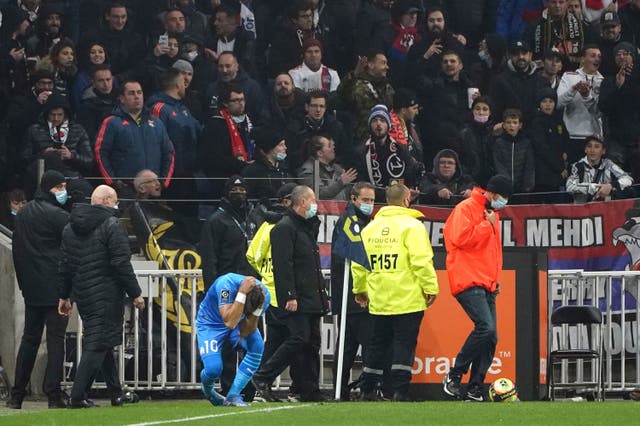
column 96, row 272
column 519, row 90
column 549, row 138
column 223, row 244
column 265, row 178
column 296, row 263
column 513, row 157
column 36, row 249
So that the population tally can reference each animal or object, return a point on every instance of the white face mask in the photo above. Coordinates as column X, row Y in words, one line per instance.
column 238, row 118
column 191, row 55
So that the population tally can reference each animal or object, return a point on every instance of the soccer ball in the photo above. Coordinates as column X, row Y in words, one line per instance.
column 503, row 390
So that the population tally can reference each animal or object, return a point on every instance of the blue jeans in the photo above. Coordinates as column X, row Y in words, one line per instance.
column 479, row 348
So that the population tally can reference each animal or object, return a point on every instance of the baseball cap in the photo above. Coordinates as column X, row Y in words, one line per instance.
column 609, row 19
column 519, row 46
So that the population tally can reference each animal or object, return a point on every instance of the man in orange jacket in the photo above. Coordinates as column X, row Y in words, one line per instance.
column 474, row 263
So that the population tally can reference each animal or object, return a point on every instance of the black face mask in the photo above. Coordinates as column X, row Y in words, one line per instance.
column 238, row 200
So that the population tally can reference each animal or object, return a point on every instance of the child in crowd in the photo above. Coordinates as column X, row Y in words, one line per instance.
column 512, row 153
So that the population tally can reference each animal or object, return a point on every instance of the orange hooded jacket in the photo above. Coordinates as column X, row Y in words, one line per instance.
column 474, row 248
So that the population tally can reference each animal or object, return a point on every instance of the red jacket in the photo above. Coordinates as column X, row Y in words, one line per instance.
column 474, row 248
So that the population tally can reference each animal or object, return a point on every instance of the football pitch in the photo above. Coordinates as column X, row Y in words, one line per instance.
column 192, row 412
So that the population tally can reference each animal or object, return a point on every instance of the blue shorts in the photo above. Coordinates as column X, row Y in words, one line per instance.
column 211, row 338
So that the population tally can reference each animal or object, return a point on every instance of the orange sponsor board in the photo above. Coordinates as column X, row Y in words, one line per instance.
column 446, row 326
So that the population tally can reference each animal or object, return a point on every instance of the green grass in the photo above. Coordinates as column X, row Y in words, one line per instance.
column 329, row 414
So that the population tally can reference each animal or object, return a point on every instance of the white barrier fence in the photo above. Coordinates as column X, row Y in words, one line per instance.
column 617, row 295
column 158, row 350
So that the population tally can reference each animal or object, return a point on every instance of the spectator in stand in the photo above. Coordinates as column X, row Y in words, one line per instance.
column 592, row 11
column 383, row 159
column 447, row 104
column 578, row 96
column 630, row 18
column 288, row 38
column 550, row 139
column 514, row 15
column 492, row 54
column 48, row 30
column 318, row 121
column 620, row 105
column 403, row 126
column 159, row 60
column 229, row 71
column 372, row 17
column 269, row 170
column 59, row 141
column 446, row 184
column 286, row 103
column 228, row 36
column 98, row 101
column 561, row 30
column 130, row 140
column 610, row 35
column 225, row 146
column 62, row 61
column 13, row 61
column 125, row 46
column 513, row 154
column 475, row 141
column 36, row 253
column 472, row 19
column 595, row 178
column 364, row 88
column 312, row 74
column 196, row 21
column 175, row 22
column 425, row 57
column 12, row 202
column 518, row 85
column 397, row 38
column 89, row 57
column 334, row 179
column 183, row 130
column 193, row 98
column 22, row 112
column 551, row 69
column 192, row 51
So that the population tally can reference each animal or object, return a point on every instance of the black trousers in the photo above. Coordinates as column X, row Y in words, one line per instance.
column 91, row 362
column 35, row 319
column 301, row 346
column 277, row 333
column 357, row 333
column 401, row 333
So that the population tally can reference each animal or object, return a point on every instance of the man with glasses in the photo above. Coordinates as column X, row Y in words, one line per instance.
column 446, row 184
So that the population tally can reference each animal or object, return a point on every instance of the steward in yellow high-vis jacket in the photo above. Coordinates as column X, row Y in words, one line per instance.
column 401, row 284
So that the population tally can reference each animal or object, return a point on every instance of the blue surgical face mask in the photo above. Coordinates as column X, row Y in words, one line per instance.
column 483, row 55
column 14, row 212
column 313, row 210
column 366, row 209
column 280, row 156
column 500, row 203
column 62, row 197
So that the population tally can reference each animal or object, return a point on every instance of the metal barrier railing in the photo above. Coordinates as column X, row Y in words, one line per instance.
column 617, row 295
column 154, row 353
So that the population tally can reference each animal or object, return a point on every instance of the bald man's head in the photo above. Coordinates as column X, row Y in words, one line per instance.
column 104, row 196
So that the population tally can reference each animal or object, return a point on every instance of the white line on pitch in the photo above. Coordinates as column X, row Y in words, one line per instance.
column 211, row 416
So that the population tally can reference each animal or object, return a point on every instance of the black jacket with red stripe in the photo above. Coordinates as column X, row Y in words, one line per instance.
column 124, row 147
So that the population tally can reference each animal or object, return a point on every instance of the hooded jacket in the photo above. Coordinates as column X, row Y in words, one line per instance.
column 124, row 147
column 96, row 273
column 474, row 248
column 36, row 249
column 581, row 114
column 433, row 182
column 77, row 141
column 401, row 260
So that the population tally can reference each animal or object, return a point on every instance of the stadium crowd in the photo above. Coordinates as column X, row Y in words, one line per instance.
column 176, row 97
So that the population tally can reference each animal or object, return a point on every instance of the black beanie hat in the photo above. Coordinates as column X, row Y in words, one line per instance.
column 51, row 179
column 500, row 184
column 233, row 181
column 547, row 92
column 267, row 139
